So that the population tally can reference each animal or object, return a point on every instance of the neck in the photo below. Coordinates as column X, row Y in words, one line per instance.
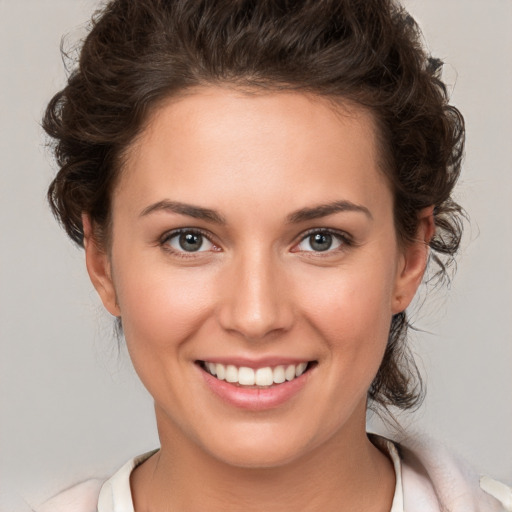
column 347, row 473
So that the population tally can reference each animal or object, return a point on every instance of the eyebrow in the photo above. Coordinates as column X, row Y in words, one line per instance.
column 323, row 210
column 302, row 215
column 196, row 212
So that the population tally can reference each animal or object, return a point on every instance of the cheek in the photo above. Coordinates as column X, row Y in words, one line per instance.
column 161, row 305
column 352, row 308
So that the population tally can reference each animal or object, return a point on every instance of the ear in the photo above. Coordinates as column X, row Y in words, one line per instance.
column 99, row 268
column 413, row 262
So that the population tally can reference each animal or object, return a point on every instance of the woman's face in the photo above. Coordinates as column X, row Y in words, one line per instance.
column 252, row 236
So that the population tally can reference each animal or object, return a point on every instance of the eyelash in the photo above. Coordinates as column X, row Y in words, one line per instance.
column 163, row 242
column 344, row 238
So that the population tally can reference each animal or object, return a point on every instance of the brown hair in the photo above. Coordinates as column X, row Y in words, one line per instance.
column 369, row 52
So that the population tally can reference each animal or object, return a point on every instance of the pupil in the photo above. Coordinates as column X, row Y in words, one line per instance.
column 191, row 242
column 321, row 241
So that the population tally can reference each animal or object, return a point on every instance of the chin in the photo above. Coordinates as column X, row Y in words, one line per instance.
column 257, row 455
column 264, row 446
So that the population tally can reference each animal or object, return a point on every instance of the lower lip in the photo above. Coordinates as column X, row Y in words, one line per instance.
column 255, row 399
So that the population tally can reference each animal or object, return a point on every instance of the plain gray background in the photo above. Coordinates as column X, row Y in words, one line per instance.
column 70, row 404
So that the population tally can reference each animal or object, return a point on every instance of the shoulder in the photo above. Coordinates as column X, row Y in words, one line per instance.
column 82, row 497
column 434, row 478
column 103, row 495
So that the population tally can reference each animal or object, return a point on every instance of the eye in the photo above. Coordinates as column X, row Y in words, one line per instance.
column 188, row 241
column 321, row 241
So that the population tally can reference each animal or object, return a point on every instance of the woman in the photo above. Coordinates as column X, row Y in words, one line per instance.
column 258, row 187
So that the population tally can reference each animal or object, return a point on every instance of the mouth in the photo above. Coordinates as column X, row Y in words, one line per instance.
column 265, row 377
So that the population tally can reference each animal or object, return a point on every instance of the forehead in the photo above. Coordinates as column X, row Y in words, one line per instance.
column 283, row 146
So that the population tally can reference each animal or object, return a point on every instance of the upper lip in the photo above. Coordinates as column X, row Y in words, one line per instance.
column 256, row 363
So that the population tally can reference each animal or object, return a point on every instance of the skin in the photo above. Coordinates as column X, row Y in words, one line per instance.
column 256, row 289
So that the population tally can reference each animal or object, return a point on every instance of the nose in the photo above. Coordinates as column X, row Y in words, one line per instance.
column 256, row 301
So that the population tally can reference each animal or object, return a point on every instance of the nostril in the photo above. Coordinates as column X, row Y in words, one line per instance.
column 257, row 325
column 254, row 301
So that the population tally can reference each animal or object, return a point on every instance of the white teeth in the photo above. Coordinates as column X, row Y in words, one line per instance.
column 260, row 377
column 231, row 373
column 264, row 377
column 246, row 376
column 212, row 368
column 221, row 371
column 279, row 376
column 289, row 373
column 301, row 368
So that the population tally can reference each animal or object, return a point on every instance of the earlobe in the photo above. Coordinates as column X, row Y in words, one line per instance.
column 414, row 262
column 99, row 268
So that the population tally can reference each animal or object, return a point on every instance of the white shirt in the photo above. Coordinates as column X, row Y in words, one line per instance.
column 428, row 479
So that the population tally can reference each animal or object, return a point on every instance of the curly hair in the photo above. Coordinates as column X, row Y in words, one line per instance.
column 137, row 54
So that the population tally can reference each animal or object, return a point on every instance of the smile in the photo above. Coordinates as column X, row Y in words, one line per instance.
column 261, row 377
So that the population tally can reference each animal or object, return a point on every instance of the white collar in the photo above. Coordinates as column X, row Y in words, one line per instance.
column 116, row 496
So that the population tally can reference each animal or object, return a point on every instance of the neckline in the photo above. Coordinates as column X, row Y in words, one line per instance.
column 116, row 496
